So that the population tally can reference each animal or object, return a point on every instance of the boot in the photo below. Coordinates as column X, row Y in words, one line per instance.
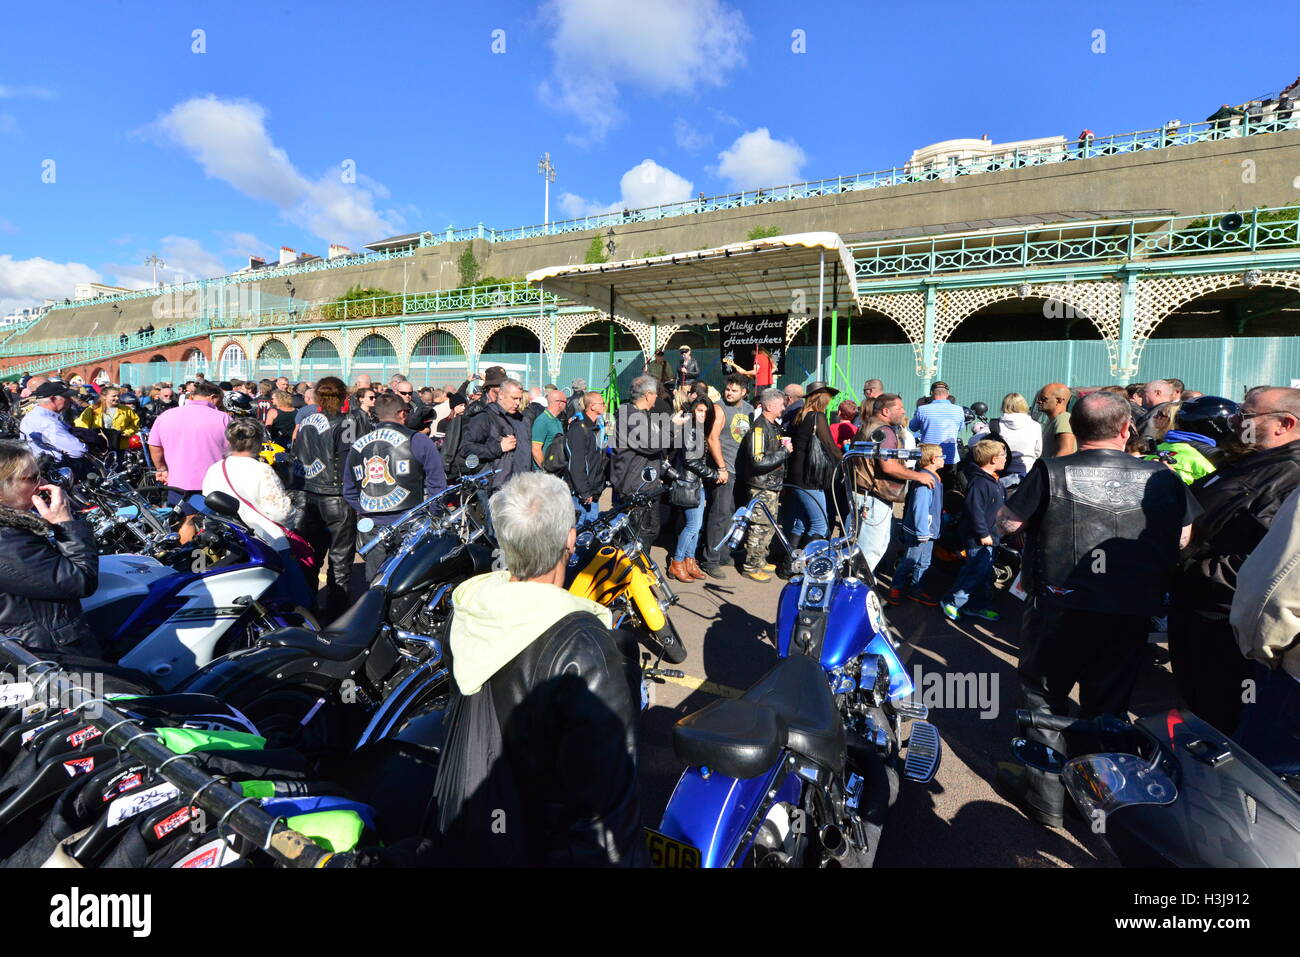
column 693, row 569
column 679, row 571
column 783, row 571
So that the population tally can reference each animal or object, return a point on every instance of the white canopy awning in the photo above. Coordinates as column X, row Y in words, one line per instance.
column 776, row 276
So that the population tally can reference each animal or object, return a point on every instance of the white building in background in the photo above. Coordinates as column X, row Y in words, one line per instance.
column 25, row 314
column 950, row 153
column 93, row 290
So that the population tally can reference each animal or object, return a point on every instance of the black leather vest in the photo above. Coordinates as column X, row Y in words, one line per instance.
column 390, row 477
column 1108, row 539
column 321, row 448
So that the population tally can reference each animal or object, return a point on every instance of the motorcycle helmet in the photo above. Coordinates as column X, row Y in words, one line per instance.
column 134, row 443
column 1208, row 416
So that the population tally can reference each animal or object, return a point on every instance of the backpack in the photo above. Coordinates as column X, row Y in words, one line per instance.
column 480, row 811
column 555, row 459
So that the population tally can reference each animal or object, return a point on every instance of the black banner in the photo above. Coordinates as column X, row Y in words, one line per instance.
column 739, row 335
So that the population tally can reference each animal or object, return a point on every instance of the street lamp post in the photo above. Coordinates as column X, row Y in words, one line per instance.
column 155, row 262
column 547, row 172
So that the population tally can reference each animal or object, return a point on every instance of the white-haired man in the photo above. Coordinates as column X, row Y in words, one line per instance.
column 538, row 667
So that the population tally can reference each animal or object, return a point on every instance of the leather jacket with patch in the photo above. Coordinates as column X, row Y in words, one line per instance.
column 765, row 455
column 389, row 476
column 1107, row 539
column 321, row 448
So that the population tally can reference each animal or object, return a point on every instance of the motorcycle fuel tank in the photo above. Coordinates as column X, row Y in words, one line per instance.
column 848, row 623
column 439, row 558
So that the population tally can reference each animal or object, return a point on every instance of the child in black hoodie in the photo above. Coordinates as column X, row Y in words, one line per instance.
column 972, row 591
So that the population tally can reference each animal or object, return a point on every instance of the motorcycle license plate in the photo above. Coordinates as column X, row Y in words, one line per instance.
column 667, row 852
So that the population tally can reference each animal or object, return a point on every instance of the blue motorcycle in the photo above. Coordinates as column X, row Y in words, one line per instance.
column 801, row 770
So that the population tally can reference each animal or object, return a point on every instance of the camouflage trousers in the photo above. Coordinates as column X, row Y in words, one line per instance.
column 761, row 530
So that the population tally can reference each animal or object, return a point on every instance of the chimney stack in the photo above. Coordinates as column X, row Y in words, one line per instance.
column 337, row 250
column 256, row 262
column 287, row 255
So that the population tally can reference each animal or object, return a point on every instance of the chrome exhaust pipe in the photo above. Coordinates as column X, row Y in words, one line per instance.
column 834, row 847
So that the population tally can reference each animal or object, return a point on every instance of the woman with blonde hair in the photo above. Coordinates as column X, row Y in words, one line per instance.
column 108, row 415
column 1022, row 435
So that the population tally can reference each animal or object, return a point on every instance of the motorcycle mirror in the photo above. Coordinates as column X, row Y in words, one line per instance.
column 648, row 474
column 979, row 408
column 878, row 435
column 366, row 525
column 471, row 463
column 1035, row 754
column 222, row 504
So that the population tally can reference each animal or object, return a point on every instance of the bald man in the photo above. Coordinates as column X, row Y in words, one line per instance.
column 1058, row 437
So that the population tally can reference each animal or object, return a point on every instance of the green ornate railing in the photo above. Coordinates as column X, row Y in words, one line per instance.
column 72, row 351
column 1162, row 138
column 470, row 298
column 1110, row 240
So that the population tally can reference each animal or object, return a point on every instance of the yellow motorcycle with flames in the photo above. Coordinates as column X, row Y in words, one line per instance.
column 610, row 567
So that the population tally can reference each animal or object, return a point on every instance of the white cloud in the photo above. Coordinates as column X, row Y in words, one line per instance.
column 25, row 93
column 229, row 139
column 756, row 160
column 185, row 259
column 244, row 244
column 662, row 46
column 25, row 282
column 688, row 137
column 645, row 184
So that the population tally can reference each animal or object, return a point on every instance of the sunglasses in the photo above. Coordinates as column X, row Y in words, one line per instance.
column 404, row 392
column 1236, row 418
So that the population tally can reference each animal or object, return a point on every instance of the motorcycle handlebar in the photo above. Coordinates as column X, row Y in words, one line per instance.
column 1042, row 721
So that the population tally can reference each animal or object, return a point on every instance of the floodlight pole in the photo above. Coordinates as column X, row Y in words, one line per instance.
column 547, row 172
column 821, row 296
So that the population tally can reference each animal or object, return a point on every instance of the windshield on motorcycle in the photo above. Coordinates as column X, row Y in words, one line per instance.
column 1103, row 783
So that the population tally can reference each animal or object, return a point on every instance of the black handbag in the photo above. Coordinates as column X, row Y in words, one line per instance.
column 685, row 491
column 819, row 469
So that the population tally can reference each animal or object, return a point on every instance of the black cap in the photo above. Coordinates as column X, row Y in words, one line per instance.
column 51, row 390
column 455, row 400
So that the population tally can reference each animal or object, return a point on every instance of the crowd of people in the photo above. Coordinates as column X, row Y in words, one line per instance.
column 1126, row 505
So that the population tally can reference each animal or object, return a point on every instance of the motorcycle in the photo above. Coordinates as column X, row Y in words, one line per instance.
column 382, row 660
column 609, row 567
column 1168, row 790
column 172, row 611
column 802, row 769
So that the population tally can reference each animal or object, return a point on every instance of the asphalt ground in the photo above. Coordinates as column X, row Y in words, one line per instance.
column 957, row 820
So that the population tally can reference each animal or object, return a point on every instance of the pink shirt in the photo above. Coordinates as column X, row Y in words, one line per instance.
column 192, row 437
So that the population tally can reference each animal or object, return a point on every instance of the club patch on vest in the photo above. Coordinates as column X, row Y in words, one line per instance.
column 1103, row 487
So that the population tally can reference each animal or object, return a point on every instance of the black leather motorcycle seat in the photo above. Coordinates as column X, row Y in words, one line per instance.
column 349, row 635
column 735, row 738
column 797, row 689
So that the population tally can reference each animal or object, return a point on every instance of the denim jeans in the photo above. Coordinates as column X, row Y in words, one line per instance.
column 807, row 512
column 875, row 528
column 912, row 567
column 690, row 535
column 587, row 513
column 973, row 588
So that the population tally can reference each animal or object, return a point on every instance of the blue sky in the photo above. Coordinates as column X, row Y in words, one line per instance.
column 205, row 157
